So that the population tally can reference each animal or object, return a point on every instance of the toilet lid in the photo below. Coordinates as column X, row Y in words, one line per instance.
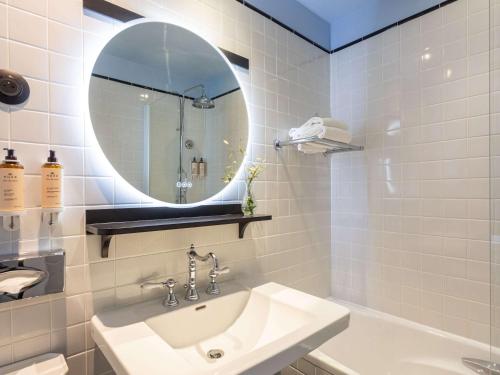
column 46, row 364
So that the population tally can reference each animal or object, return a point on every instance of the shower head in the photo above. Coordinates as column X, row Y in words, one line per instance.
column 203, row 102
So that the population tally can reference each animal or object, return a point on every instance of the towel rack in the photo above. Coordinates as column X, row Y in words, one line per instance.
column 333, row 146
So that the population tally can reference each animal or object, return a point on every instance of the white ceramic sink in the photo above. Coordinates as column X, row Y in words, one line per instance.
column 260, row 331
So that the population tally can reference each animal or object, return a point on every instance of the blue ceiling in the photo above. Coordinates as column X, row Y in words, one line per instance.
column 333, row 23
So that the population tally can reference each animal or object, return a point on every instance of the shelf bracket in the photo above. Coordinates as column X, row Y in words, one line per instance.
column 242, row 228
column 105, row 242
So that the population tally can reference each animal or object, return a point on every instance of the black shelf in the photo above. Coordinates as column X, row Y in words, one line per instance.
column 109, row 222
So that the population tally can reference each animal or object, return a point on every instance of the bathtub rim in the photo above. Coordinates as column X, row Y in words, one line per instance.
column 325, row 362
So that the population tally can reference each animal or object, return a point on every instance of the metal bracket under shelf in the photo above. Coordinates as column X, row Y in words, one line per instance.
column 333, row 146
column 105, row 242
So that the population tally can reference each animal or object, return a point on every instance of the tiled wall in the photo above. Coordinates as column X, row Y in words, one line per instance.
column 410, row 214
column 51, row 42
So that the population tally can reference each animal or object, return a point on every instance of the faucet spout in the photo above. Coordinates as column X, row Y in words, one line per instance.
column 212, row 289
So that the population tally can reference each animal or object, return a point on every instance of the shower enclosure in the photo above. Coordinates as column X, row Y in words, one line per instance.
column 415, row 216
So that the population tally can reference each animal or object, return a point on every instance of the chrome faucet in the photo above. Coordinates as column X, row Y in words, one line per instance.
column 170, row 300
column 213, row 289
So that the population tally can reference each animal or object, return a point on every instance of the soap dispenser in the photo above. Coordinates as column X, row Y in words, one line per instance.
column 11, row 190
column 194, row 167
column 11, row 183
column 202, row 168
column 52, row 175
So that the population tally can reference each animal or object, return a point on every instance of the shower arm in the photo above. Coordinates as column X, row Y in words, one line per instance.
column 202, row 86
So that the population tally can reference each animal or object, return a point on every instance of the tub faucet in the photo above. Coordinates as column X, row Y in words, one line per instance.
column 213, row 289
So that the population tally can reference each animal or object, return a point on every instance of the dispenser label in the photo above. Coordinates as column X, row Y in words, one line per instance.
column 51, row 187
column 12, row 189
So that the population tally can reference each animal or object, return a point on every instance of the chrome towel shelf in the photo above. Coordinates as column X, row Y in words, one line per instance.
column 333, row 146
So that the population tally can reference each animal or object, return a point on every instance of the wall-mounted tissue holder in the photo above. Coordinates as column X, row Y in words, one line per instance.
column 30, row 276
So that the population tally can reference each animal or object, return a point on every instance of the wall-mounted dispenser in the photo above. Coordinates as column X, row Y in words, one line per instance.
column 52, row 175
column 11, row 191
column 14, row 89
column 202, row 168
column 31, row 276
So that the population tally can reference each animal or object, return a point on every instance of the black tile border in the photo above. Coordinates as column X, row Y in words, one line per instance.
column 398, row 23
column 286, row 27
column 124, row 15
column 158, row 90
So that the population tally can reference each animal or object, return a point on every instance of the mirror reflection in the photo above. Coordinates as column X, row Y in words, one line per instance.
column 167, row 112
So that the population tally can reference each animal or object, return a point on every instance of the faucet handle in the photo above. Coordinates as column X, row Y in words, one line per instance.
column 221, row 271
column 171, row 299
column 151, row 285
column 170, row 283
column 213, row 287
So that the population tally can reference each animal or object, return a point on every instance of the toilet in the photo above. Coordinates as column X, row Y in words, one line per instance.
column 45, row 364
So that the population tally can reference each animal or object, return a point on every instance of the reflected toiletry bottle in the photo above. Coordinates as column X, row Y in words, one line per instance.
column 202, row 166
column 194, row 167
column 11, row 183
column 52, row 173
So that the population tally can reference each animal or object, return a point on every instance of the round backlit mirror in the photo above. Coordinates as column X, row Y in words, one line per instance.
column 168, row 112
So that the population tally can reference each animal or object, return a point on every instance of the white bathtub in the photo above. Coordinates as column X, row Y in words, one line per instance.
column 381, row 344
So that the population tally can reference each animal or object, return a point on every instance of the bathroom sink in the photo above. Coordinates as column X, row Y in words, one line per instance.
column 244, row 331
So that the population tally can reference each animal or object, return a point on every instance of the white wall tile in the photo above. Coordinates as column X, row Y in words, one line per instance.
column 28, row 126
column 5, row 334
column 35, row 35
column 22, row 57
column 39, row 92
column 31, row 347
column 65, row 100
column 30, row 321
column 64, row 39
column 99, row 190
column 3, row 21
column 34, row 6
column 66, row 11
column 66, row 130
column 438, row 166
column 65, row 70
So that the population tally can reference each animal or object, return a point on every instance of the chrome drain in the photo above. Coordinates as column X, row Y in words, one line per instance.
column 215, row 353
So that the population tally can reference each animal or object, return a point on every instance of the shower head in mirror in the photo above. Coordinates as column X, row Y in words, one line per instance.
column 203, row 102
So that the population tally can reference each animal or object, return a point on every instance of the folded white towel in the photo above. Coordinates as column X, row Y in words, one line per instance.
column 315, row 126
column 331, row 122
column 312, row 148
column 320, row 131
column 335, row 134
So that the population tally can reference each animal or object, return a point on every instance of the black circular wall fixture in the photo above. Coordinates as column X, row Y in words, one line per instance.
column 14, row 89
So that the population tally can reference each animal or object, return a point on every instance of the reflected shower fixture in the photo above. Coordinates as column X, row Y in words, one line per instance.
column 201, row 102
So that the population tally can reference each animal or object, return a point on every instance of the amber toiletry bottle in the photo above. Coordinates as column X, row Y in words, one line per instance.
column 52, row 173
column 11, row 183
